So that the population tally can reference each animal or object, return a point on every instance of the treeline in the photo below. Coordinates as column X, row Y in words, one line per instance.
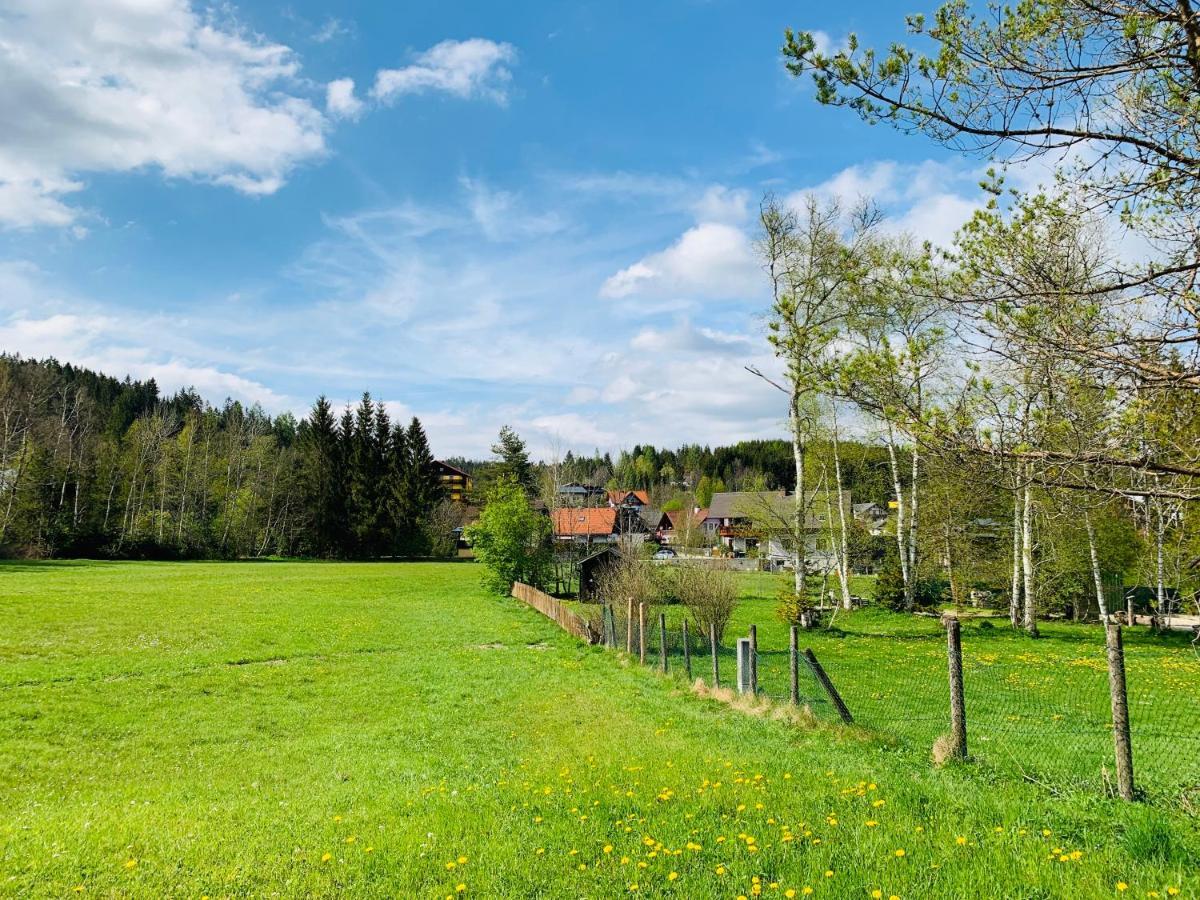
column 94, row 466
column 757, row 465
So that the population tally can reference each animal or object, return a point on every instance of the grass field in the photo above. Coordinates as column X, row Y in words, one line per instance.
column 307, row 729
column 1038, row 709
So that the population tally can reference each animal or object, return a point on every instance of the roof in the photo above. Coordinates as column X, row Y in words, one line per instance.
column 743, row 504
column 621, row 496
column 654, row 518
column 583, row 522
column 771, row 505
column 679, row 516
column 455, row 469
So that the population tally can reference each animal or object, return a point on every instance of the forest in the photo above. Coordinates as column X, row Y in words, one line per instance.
column 98, row 467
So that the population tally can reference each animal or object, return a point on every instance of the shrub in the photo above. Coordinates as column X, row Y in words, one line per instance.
column 511, row 539
column 709, row 592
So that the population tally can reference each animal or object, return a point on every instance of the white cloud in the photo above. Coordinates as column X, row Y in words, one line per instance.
column 722, row 204
column 711, row 260
column 340, row 101
column 118, row 85
column 501, row 215
column 930, row 200
column 472, row 68
column 826, row 45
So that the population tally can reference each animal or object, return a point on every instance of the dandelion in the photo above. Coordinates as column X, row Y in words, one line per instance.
column 130, row 863
column 1122, row 886
column 829, row 873
column 720, row 870
column 369, row 850
column 807, row 890
column 79, row 889
column 350, row 839
column 876, row 894
column 462, row 860
column 672, row 876
column 960, row 840
column 624, row 860
column 608, row 848
column 899, row 853
column 460, row 888
column 790, row 893
column 871, row 823
column 1172, row 891
column 326, row 857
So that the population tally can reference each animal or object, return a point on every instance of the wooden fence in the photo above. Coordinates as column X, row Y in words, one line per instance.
column 568, row 619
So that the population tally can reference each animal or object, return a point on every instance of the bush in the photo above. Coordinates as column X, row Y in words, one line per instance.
column 511, row 539
column 709, row 592
column 889, row 587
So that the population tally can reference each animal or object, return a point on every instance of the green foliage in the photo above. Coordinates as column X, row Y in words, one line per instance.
column 511, row 539
column 397, row 717
column 513, row 461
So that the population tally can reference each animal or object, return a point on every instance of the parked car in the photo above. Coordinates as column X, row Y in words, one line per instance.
column 664, row 553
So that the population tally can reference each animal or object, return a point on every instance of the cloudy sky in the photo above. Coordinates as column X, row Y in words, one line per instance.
column 539, row 214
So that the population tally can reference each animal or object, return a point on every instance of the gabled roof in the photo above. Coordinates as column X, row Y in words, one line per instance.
column 453, row 469
column 616, row 498
column 744, row 504
column 584, row 522
column 679, row 516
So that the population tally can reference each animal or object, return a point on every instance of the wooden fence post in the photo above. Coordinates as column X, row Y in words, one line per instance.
column 958, row 709
column 662, row 642
column 1120, row 709
column 794, row 662
column 629, row 625
column 642, row 633
column 838, row 703
column 712, row 640
column 687, row 653
column 754, row 660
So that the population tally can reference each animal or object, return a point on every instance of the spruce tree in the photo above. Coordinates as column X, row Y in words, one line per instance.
column 513, row 460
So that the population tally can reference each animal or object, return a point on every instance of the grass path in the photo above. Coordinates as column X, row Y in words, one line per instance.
column 306, row 729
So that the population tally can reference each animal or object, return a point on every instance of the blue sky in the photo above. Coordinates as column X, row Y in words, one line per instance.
column 539, row 214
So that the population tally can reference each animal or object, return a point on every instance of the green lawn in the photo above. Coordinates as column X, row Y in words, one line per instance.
column 307, row 729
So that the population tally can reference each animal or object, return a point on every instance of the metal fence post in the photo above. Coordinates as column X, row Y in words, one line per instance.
column 642, row 633
column 662, row 642
column 958, row 709
column 687, row 652
column 712, row 640
column 745, row 653
column 754, row 660
column 1120, row 709
column 794, row 662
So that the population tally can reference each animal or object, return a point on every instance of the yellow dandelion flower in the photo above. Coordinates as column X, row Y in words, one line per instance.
column 450, row 865
column 79, row 889
column 624, row 860
column 790, row 893
column 1172, row 891
column 960, row 840
column 672, row 876
column 720, row 870
column 130, row 863
column 876, row 894
column 900, row 852
column 871, row 823
column 1122, row 886
column 807, row 890
column 582, row 867
column 326, row 857
column 350, row 839
column 369, row 850
column 829, row 873
column 460, row 888
column 608, row 848
column 462, row 860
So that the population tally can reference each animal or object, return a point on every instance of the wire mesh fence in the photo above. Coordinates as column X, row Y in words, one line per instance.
column 1036, row 710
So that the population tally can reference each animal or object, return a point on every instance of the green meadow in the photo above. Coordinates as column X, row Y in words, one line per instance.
column 320, row 730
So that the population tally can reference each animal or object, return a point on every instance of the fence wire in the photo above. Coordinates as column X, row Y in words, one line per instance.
column 1045, row 719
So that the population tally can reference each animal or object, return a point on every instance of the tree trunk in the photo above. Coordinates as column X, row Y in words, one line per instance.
column 1030, row 622
column 910, row 588
column 800, row 551
column 844, row 556
column 898, row 490
column 1097, row 579
column 1014, row 603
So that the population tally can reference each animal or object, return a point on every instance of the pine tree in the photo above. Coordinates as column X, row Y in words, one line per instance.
column 513, row 460
column 363, row 477
column 423, row 488
column 320, row 480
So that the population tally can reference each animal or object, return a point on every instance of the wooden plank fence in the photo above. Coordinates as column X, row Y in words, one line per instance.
column 567, row 619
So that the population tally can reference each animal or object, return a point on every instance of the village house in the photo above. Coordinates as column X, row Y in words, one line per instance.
column 759, row 521
column 454, row 481
column 596, row 525
column 872, row 515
